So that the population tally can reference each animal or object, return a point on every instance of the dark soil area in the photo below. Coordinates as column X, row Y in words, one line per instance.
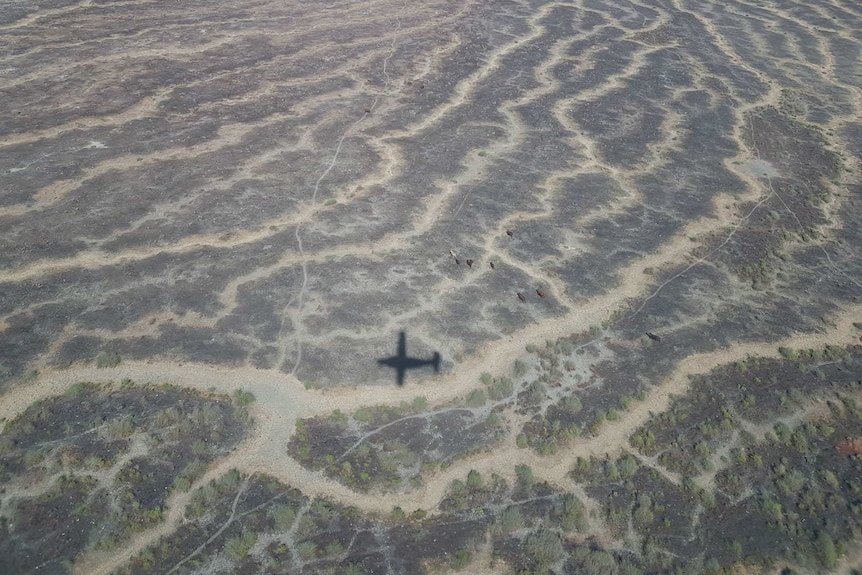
column 70, row 482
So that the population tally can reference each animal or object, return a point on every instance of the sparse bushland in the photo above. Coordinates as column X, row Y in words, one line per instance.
column 786, row 489
column 64, row 444
column 722, row 405
column 388, row 448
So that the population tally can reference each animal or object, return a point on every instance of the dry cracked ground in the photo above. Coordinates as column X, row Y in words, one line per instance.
column 631, row 229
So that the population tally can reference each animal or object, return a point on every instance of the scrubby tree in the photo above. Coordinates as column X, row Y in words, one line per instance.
column 524, row 473
column 544, row 547
column 510, row 520
column 826, row 550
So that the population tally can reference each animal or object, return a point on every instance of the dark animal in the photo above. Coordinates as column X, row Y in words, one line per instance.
column 522, row 297
column 367, row 110
column 470, row 263
column 491, row 264
column 540, row 292
column 653, row 336
column 457, row 261
column 510, row 233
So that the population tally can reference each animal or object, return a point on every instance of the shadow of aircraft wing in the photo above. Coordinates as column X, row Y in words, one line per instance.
column 401, row 362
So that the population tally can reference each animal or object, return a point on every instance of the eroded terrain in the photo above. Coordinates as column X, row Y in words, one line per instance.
column 631, row 229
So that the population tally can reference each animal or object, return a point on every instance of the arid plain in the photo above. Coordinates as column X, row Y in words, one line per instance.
column 216, row 217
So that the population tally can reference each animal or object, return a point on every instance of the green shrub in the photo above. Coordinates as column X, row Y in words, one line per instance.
column 121, row 428
column 519, row 368
column 773, row 508
column 535, row 393
column 28, row 374
column 306, row 550
column 628, row 466
column 787, row 353
column 460, row 560
column 544, row 547
column 790, row 483
column 362, row 415
column 283, row 515
column 243, row 397
column 182, row 484
column 76, row 389
column 612, row 473
column 826, row 550
column 524, row 473
column 510, row 520
column 238, row 547
column 477, row 398
column 230, row 479
column 500, row 388
column 830, row 479
column 105, row 359
column 572, row 513
column 34, row 457
column 106, row 543
column 571, row 404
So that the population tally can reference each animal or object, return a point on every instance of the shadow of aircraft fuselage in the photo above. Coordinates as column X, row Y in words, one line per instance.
column 401, row 363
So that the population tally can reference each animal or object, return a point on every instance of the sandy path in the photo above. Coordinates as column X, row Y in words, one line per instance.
column 281, row 399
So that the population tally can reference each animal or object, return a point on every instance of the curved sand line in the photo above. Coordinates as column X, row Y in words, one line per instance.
column 281, row 400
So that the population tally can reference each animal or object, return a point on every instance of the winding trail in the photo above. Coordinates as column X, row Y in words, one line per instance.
column 281, row 400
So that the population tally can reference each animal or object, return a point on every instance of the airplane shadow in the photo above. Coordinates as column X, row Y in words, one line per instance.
column 401, row 362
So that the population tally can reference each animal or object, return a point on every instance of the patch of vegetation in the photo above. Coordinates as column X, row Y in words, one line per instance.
column 256, row 524
column 107, row 359
column 788, row 498
column 242, row 397
column 58, row 447
column 719, row 406
column 389, row 449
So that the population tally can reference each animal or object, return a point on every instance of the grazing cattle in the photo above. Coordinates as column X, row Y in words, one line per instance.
column 367, row 110
column 653, row 336
column 491, row 264
column 470, row 263
column 509, row 233
column 541, row 292
column 522, row 297
column 457, row 261
column 451, row 253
